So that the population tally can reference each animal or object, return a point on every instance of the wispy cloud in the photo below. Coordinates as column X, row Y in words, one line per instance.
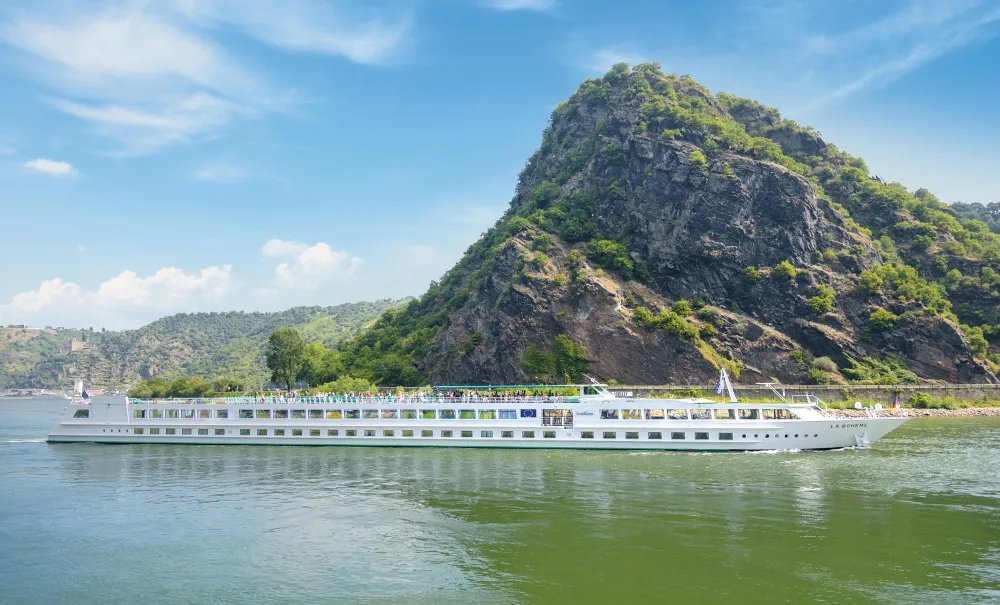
column 603, row 58
column 516, row 5
column 54, row 168
column 151, row 75
column 222, row 172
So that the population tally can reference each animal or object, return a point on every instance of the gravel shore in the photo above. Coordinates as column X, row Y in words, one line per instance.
column 992, row 412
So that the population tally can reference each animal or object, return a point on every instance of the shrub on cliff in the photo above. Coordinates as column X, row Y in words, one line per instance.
column 880, row 319
column 785, row 270
column 823, row 301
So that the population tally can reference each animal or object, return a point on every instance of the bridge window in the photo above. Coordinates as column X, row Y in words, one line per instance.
column 631, row 435
column 767, row 414
column 654, row 415
column 508, row 414
column 609, row 415
column 586, row 434
column 334, row 414
column 243, row 413
column 428, row 414
column 701, row 414
column 446, row 414
column 264, row 414
column 677, row 414
column 81, row 414
column 610, row 435
column 748, row 415
column 725, row 436
column 784, row 415
column 527, row 434
column 204, row 413
column 725, row 414
column 281, row 413
column 408, row 414
column 654, row 435
column 352, row 414
column 487, row 414
column 369, row 414
column 316, row 413
column 678, row 436
column 222, row 413
column 701, row 435
column 139, row 413
column 631, row 414
column 467, row 414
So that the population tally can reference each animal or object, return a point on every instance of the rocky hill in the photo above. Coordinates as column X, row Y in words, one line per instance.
column 661, row 232
column 200, row 344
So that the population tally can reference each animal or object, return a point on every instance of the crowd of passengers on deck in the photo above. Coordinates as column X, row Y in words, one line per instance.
column 386, row 397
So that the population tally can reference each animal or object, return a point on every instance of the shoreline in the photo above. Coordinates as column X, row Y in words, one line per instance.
column 970, row 412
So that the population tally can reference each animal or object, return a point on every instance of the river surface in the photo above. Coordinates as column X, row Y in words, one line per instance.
column 915, row 519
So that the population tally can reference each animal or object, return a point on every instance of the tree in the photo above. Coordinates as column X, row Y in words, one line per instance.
column 570, row 359
column 285, row 353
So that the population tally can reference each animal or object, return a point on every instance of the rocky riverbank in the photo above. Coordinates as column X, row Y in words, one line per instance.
column 991, row 412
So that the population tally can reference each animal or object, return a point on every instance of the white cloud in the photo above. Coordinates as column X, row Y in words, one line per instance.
column 221, row 172
column 309, row 267
column 514, row 5
column 117, row 298
column 54, row 168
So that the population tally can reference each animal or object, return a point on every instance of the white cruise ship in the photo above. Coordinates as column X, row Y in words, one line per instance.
column 459, row 417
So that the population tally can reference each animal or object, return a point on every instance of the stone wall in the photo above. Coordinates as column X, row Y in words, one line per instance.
column 887, row 394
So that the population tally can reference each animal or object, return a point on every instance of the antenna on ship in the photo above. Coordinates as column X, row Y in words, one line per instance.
column 725, row 384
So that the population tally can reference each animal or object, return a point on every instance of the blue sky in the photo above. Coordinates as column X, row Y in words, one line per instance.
column 195, row 155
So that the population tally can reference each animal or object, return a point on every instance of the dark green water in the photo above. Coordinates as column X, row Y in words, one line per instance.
column 916, row 519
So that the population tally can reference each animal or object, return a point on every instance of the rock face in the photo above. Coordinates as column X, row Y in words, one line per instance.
column 647, row 191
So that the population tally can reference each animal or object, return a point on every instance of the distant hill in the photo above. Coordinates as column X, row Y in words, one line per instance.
column 202, row 344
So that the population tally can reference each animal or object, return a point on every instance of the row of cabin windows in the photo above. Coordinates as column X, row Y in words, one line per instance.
column 347, row 433
column 425, row 414
column 679, row 435
column 698, row 414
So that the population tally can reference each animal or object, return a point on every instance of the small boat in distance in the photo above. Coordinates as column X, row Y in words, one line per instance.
column 463, row 416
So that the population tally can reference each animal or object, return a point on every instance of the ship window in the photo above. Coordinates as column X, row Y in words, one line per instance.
column 298, row 413
column 508, row 414
column 204, row 413
column 315, row 413
column 428, row 414
column 677, row 436
column 701, row 435
column 487, row 414
column 243, row 413
column 725, row 436
column 389, row 433
column 137, row 431
column 631, row 435
column 701, row 414
column 222, row 413
column 609, row 414
column 296, row 432
column 529, row 413
column 171, row 431
column 351, row 433
column 332, row 432
column 314, row 432
column 203, row 431
column 187, row 413
column 154, row 431
column 610, row 435
column 262, row 432
column 408, row 414
column 486, row 434
column 263, row 413
column 243, row 432
column 677, row 414
column 586, row 434
column 506, row 434
column 369, row 414
column 446, row 433
column 631, row 414
column 408, row 433
column 390, row 414
column 156, row 413
column 279, row 432
column 527, row 434
column 446, row 414
column 170, row 413
column 767, row 414
column 352, row 414
column 727, row 414
column 654, row 435
column 426, row 433
column 654, row 414
column 281, row 413
column 548, row 434
column 467, row 414
column 784, row 414
column 140, row 413
column 81, row 414
column 466, row 433
column 334, row 414
column 748, row 414
column 188, row 431
column 369, row 433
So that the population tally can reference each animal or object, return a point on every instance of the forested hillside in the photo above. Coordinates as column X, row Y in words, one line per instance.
column 210, row 345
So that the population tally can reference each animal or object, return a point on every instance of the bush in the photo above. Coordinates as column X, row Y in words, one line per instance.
column 824, row 364
column 823, row 301
column 347, row 384
column 880, row 319
column 920, row 401
column 643, row 317
column 785, row 270
column 707, row 331
column 698, row 160
column 818, row 376
column 682, row 308
column 752, row 274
